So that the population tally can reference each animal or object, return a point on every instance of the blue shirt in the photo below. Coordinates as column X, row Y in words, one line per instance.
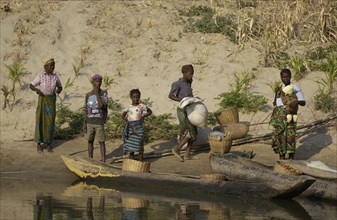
column 181, row 89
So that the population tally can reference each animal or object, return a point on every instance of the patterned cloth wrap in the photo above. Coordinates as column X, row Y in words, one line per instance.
column 45, row 119
column 133, row 132
column 284, row 134
column 185, row 125
column 133, row 136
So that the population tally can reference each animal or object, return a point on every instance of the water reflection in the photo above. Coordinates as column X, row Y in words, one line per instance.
column 43, row 207
column 89, row 201
column 100, row 211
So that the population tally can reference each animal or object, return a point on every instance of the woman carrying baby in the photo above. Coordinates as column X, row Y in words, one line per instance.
column 282, row 118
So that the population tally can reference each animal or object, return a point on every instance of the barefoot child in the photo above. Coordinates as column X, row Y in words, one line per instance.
column 180, row 89
column 133, row 133
column 95, row 114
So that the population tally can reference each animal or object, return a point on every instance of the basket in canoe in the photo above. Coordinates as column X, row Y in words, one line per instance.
column 136, row 166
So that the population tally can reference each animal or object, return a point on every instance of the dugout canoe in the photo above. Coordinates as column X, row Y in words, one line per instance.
column 238, row 168
column 172, row 184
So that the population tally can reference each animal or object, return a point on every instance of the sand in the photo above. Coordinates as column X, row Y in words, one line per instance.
column 139, row 44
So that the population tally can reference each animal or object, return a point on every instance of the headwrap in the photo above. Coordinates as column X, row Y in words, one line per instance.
column 48, row 61
column 96, row 76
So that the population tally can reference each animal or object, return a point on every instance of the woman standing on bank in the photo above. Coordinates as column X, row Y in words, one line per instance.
column 284, row 134
column 46, row 85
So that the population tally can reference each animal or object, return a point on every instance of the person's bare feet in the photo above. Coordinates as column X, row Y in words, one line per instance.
column 176, row 153
column 39, row 149
column 50, row 149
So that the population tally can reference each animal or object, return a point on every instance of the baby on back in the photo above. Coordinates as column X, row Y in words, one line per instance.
column 290, row 100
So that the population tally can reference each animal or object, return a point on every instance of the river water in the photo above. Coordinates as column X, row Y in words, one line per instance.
column 31, row 199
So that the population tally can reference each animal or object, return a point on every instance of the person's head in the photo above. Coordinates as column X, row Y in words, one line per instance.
column 285, row 76
column 135, row 96
column 188, row 72
column 96, row 80
column 49, row 66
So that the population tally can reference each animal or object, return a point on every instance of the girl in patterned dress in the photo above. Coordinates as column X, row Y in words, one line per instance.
column 133, row 133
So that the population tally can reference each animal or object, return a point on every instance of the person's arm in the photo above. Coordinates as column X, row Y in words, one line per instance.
column 59, row 90
column 173, row 93
column 104, row 98
column 38, row 91
column 33, row 85
column 85, row 111
column 58, row 85
column 148, row 112
column 277, row 90
column 299, row 95
column 98, row 96
column 124, row 114
column 301, row 103
column 174, row 97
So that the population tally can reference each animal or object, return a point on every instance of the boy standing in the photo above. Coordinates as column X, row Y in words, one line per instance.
column 95, row 114
column 180, row 89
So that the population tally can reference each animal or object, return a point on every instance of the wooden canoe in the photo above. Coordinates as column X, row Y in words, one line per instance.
column 172, row 184
column 239, row 168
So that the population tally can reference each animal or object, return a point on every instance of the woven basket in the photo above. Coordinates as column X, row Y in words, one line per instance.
column 284, row 168
column 220, row 144
column 213, row 177
column 238, row 130
column 136, row 166
column 227, row 116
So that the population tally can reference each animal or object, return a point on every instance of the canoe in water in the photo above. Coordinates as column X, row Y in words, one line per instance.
column 239, row 168
column 171, row 184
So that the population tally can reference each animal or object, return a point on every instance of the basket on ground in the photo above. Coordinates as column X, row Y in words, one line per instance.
column 227, row 116
column 136, row 166
column 284, row 168
column 238, row 130
column 220, row 142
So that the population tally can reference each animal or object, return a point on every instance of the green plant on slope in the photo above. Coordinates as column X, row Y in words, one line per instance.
column 324, row 102
column 331, row 73
column 68, row 123
column 274, row 85
column 240, row 95
column 15, row 73
column 108, row 81
column 77, row 70
column 298, row 66
column 6, row 92
column 69, row 83
column 203, row 19
column 159, row 127
column 330, row 76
